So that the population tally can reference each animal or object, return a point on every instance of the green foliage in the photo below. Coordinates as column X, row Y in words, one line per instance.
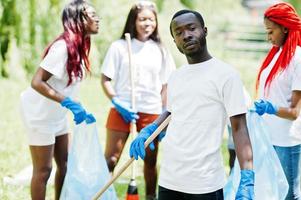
column 189, row 3
column 32, row 21
column 10, row 21
column 14, row 151
column 9, row 27
column 4, row 40
column 297, row 5
column 46, row 25
column 39, row 29
column 29, row 62
column 159, row 4
column 54, row 3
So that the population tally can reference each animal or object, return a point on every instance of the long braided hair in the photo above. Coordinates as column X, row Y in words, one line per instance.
column 78, row 43
column 283, row 14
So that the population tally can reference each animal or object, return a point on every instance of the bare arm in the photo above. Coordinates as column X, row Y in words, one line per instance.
column 107, row 86
column 242, row 142
column 39, row 83
column 293, row 111
column 164, row 95
column 162, row 117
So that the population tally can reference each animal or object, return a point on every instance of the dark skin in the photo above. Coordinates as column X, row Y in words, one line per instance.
column 145, row 25
column 116, row 141
column 277, row 34
column 190, row 38
column 42, row 155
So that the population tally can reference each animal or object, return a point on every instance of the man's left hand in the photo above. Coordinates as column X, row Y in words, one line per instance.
column 246, row 186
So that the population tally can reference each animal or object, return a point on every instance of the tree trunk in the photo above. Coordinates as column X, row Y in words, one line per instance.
column 29, row 64
column 9, row 26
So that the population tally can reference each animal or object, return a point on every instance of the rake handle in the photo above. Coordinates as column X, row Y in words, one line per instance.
column 129, row 162
column 133, row 126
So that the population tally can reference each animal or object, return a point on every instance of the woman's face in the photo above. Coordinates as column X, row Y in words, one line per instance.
column 276, row 34
column 92, row 21
column 145, row 24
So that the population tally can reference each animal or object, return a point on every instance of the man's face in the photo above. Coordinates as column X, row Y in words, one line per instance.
column 188, row 33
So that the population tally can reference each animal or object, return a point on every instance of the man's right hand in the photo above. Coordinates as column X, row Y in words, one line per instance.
column 137, row 146
column 124, row 110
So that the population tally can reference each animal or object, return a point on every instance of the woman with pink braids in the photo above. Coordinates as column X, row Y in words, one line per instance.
column 44, row 105
column 279, row 90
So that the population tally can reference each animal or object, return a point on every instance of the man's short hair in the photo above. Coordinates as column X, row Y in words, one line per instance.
column 181, row 12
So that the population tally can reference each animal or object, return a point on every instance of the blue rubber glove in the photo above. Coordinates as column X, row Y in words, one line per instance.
column 137, row 146
column 263, row 106
column 246, row 186
column 124, row 110
column 90, row 119
column 76, row 108
column 161, row 135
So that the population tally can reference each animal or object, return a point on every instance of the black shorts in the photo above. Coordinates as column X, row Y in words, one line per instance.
column 166, row 194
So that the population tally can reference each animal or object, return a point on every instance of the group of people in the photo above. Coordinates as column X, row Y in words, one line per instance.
column 191, row 167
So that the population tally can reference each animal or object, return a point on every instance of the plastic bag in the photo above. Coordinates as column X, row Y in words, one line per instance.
column 270, row 180
column 87, row 171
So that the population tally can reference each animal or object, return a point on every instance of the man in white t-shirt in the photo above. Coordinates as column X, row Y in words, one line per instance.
column 201, row 96
column 230, row 143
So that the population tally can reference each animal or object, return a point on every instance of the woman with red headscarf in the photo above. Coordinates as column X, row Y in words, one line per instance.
column 279, row 89
column 44, row 105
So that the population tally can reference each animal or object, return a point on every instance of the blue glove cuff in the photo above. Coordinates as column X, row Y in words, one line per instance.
column 90, row 119
column 114, row 100
column 245, row 189
column 65, row 101
column 247, row 177
column 276, row 109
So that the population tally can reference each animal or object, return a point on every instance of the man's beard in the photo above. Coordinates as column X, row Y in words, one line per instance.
column 202, row 43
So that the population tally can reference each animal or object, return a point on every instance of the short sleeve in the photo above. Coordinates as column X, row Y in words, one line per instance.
column 168, row 106
column 111, row 62
column 167, row 67
column 248, row 99
column 296, row 82
column 55, row 60
column 169, row 90
column 233, row 96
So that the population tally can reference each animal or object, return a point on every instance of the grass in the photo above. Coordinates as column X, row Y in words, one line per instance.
column 14, row 150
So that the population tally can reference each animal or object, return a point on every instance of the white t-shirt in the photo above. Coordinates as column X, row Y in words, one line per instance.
column 152, row 71
column 280, row 93
column 200, row 98
column 41, row 113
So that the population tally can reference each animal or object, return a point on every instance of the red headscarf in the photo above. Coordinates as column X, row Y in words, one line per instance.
column 283, row 14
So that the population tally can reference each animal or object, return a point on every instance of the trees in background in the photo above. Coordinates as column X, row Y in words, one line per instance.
column 30, row 25
column 188, row 3
column 27, row 25
column 9, row 28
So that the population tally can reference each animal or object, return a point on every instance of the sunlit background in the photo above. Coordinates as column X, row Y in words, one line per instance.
column 235, row 35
